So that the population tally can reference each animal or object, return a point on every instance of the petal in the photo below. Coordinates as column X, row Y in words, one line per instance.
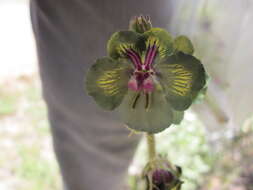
column 124, row 40
column 183, row 44
column 202, row 93
column 182, row 77
column 107, row 82
column 162, row 38
column 152, row 119
column 178, row 116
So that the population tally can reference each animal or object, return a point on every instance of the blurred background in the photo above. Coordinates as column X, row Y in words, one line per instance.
column 214, row 142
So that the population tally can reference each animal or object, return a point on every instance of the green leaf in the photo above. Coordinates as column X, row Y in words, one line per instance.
column 124, row 39
column 183, row 44
column 107, row 82
column 162, row 38
column 153, row 118
column 182, row 76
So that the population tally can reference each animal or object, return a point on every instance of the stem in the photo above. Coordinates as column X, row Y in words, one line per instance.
column 151, row 146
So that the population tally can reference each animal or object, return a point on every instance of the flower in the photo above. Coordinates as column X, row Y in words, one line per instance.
column 149, row 77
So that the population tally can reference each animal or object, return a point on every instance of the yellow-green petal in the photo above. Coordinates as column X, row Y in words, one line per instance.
column 183, row 44
column 122, row 40
column 178, row 116
column 153, row 118
column 106, row 82
column 182, row 77
column 162, row 38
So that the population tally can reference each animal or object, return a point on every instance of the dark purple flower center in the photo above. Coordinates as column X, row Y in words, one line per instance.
column 142, row 76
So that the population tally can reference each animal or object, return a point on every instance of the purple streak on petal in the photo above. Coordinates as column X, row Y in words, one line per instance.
column 147, row 54
column 151, row 53
column 154, row 52
column 135, row 58
column 147, row 57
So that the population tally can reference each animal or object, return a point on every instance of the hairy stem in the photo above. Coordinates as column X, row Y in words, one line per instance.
column 151, row 146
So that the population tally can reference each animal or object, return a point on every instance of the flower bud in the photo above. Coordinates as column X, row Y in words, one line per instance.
column 140, row 24
column 161, row 175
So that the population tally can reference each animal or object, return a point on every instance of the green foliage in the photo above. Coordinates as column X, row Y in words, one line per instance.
column 27, row 153
column 39, row 171
column 7, row 103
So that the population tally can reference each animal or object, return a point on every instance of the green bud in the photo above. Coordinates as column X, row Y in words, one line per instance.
column 140, row 24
